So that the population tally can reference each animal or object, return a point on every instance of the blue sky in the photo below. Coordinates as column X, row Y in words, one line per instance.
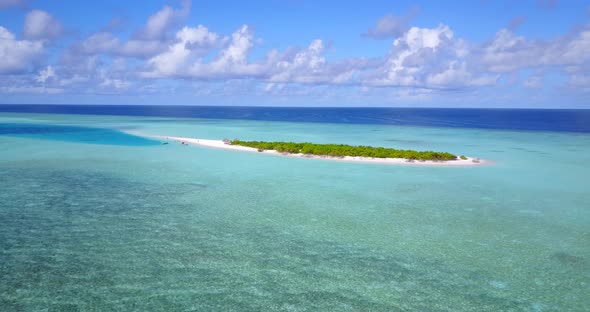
column 297, row 53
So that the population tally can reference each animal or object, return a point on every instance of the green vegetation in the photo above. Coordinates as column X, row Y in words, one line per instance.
column 341, row 150
column 463, row 157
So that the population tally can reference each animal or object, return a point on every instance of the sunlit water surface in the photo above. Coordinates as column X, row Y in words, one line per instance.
column 95, row 219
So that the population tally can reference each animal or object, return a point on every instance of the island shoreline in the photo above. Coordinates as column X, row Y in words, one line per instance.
column 219, row 144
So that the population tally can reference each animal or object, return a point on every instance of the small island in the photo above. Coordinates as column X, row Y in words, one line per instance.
column 342, row 150
column 336, row 152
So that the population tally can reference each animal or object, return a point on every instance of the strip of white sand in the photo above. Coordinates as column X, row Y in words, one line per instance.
column 398, row 161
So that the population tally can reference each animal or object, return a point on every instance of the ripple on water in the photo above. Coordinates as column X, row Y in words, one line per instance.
column 125, row 246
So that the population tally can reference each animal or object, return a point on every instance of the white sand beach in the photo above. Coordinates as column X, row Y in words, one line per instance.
column 470, row 161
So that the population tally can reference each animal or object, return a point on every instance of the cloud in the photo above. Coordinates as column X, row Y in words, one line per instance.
column 148, row 41
column 391, row 26
column 29, row 90
column 183, row 58
column 574, row 50
column 580, row 83
column 233, row 59
column 508, row 52
column 45, row 74
column 75, row 79
column 40, row 25
column 422, row 62
column 116, row 84
column 309, row 66
column 102, row 42
column 458, row 76
column 422, row 57
column 162, row 21
column 107, row 43
column 428, row 58
column 191, row 44
column 305, row 62
column 100, row 72
column 79, row 64
column 17, row 55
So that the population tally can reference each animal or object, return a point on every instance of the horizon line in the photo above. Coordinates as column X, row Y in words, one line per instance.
column 291, row 106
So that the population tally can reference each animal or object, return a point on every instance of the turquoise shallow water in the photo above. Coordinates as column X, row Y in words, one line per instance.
column 135, row 225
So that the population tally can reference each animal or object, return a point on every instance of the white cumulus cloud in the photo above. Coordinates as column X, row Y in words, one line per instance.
column 429, row 58
column 107, row 43
column 191, row 44
column 117, row 84
column 46, row 74
column 41, row 25
column 17, row 55
column 421, row 61
column 162, row 21
column 234, row 58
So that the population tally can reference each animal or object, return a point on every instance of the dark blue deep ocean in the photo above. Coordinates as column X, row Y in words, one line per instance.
column 562, row 120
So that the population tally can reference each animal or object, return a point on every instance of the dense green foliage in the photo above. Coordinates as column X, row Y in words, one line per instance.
column 340, row 150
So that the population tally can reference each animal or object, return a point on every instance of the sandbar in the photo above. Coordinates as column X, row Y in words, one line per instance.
column 470, row 161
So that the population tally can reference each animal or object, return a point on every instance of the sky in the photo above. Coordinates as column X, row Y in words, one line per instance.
column 486, row 53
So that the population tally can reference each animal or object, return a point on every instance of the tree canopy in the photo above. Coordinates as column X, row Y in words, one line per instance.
column 340, row 150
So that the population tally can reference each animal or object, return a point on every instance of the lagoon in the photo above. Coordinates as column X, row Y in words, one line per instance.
column 118, row 222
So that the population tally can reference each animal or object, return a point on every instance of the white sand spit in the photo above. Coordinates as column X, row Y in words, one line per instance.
column 470, row 161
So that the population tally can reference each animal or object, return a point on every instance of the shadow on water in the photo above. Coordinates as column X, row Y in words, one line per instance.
column 567, row 259
column 77, row 134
